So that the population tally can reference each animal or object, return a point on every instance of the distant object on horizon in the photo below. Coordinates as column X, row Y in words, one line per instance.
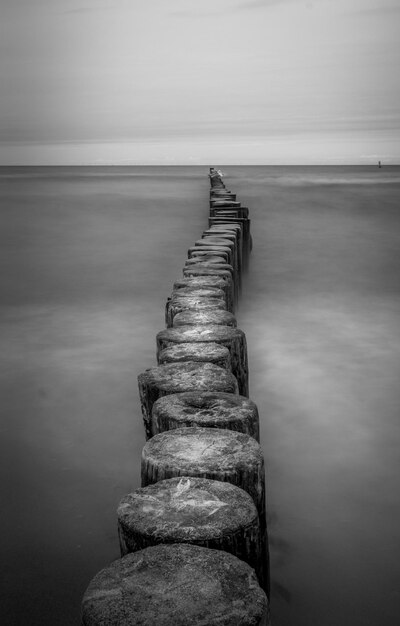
column 379, row 164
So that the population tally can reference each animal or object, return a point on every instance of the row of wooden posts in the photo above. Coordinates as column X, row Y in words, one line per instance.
column 193, row 538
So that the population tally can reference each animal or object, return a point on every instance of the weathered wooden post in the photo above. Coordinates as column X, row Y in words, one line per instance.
column 213, row 263
column 224, row 203
column 242, row 212
column 201, row 511
column 220, row 240
column 200, row 254
column 204, row 317
column 201, row 282
column 177, row 585
column 206, row 258
column 230, row 227
column 162, row 380
column 207, row 248
column 198, row 352
column 207, row 409
column 244, row 222
column 233, row 235
column 227, row 228
column 193, row 299
column 204, row 282
column 233, row 338
column 228, row 241
column 221, row 193
column 212, row 453
column 195, row 271
column 206, row 264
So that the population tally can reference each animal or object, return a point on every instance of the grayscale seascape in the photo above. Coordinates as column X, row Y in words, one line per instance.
column 89, row 256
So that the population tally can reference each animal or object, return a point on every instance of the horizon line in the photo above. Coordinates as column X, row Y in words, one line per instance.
column 207, row 164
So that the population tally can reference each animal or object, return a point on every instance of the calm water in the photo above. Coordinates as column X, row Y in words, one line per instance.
column 89, row 257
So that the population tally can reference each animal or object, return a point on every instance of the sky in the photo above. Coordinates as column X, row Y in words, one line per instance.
column 199, row 81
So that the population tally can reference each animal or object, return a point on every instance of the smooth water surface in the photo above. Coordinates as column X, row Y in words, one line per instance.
column 89, row 256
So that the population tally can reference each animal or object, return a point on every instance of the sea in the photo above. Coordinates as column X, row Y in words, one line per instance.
column 89, row 256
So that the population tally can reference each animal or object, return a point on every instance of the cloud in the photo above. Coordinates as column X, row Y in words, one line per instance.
column 198, row 11
column 260, row 4
column 88, row 9
column 388, row 9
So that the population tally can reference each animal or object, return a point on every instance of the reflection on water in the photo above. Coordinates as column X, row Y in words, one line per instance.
column 90, row 258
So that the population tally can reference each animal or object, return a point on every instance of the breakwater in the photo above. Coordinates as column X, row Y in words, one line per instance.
column 203, row 477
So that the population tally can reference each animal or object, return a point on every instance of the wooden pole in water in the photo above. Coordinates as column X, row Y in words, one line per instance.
column 245, row 225
column 162, row 380
column 242, row 212
column 206, row 409
column 200, row 511
column 197, row 271
column 200, row 282
column 199, row 352
column 217, row 239
column 204, row 317
column 177, row 585
column 228, row 241
column 206, row 258
column 233, row 338
column 206, row 264
column 204, row 282
column 194, row 300
column 234, row 234
column 210, row 251
column 212, row 453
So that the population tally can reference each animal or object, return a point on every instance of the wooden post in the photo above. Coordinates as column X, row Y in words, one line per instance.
column 204, row 282
column 200, row 299
column 233, row 338
column 224, row 203
column 199, row 352
column 162, row 380
column 204, row 317
column 216, row 194
column 218, row 240
column 206, row 264
column 213, row 453
column 201, row 282
column 200, row 511
column 208, row 258
column 245, row 224
column 235, row 235
column 226, row 241
column 207, row 409
column 175, row 585
column 199, row 253
column 221, row 193
column 219, row 250
column 191, row 289
column 230, row 235
column 197, row 270
column 231, row 211
column 228, row 227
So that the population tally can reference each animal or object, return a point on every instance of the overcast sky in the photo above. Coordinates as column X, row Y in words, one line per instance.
column 199, row 81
